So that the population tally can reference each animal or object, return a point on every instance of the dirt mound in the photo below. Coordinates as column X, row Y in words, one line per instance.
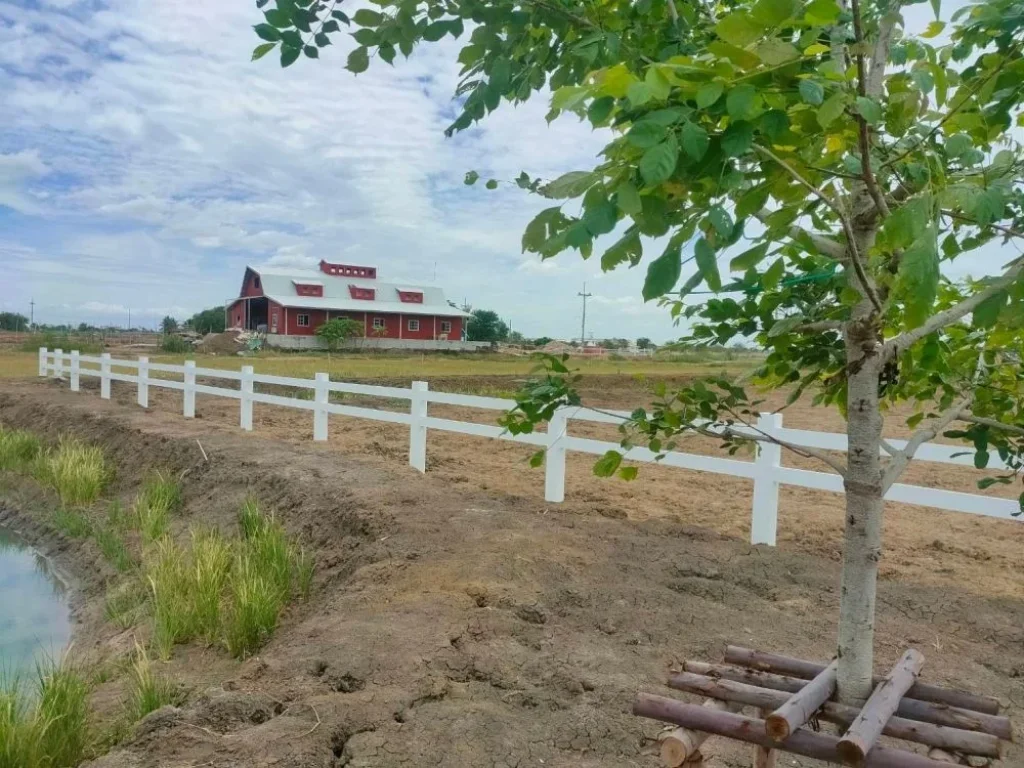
column 460, row 628
column 227, row 343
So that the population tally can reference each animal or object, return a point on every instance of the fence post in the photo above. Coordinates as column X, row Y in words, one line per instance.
column 764, row 521
column 189, row 393
column 246, row 400
column 42, row 361
column 76, row 366
column 321, row 395
column 105, row 375
column 417, row 429
column 143, row 396
column 554, row 457
column 58, row 363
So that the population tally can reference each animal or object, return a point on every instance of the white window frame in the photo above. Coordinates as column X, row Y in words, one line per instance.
column 413, row 325
column 446, row 326
column 379, row 322
column 302, row 321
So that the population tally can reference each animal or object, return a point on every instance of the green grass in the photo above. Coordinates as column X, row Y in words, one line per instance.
column 45, row 724
column 76, row 471
column 159, row 498
column 211, row 564
column 167, row 572
column 72, row 522
column 126, row 603
column 148, row 690
column 18, row 449
column 305, row 568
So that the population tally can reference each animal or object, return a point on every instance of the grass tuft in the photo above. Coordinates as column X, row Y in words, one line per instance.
column 148, row 690
column 159, row 498
column 18, row 449
column 254, row 606
column 125, row 604
column 211, row 564
column 168, row 575
column 76, row 471
column 72, row 523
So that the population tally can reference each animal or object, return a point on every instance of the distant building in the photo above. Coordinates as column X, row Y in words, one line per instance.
column 295, row 302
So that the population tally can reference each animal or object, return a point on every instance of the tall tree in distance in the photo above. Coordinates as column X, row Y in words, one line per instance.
column 837, row 168
column 169, row 325
column 485, row 325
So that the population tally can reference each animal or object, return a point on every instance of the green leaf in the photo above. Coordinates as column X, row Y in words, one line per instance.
column 311, row 52
column 822, row 12
column 387, row 52
column 774, row 123
column 262, row 50
column 869, row 110
column 775, row 52
column 639, row 94
column 737, row 139
column 607, row 464
column 919, row 277
column 662, row 274
column 957, row 144
column 772, row 13
column 740, row 101
column 916, row 419
column 739, row 29
column 628, row 198
column 600, row 109
column 289, row 55
column 537, row 459
column 340, row 16
column 773, row 275
column 435, row 31
column 628, row 473
column 569, row 185
column 491, row 184
column 321, row 39
column 981, row 459
column 628, row 248
column 694, row 140
column 749, row 258
column 707, row 263
column 364, row 17
column 366, row 37
column 986, row 313
column 267, row 32
column 501, row 73
column 659, row 163
column 721, row 220
column 601, row 218
column 646, row 134
column 471, row 178
column 811, row 92
column 278, row 18
column 934, row 29
column 656, row 81
column 691, row 284
column 831, row 109
column 785, row 325
column 709, row 93
column 358, row 61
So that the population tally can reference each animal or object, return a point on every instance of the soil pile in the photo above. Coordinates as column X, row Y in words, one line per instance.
column 461, row 628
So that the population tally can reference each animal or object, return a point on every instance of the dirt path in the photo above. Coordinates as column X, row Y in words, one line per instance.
column 456, row 626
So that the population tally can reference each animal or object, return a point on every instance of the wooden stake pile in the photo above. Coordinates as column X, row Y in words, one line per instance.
column 792, row 695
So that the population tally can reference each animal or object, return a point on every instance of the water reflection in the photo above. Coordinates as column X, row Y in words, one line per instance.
column 33, row 611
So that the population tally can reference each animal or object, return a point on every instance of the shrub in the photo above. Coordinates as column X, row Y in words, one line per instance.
column 147, row 690
column 175, row 345
column 18, row 449
column 160, row 496
column 76, row 471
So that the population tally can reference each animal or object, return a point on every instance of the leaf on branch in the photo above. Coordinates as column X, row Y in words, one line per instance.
column 600, row 219
column 738, row 139
column 772, row 13
column 537, row 459
column 262, row 50
column 289, row 55
column 739, row 29
column 831, row 109
column 662, row 274
column 869, row 110
column 811, row 92
column 740, row 101
column 721, row 221
column 646, row 134
column 364, row 17
column 821, row 12
column 707, row 263
column 749, row 258
column 358, row 61
column 471, row 178
column 267, row 32
column 919, row 277
column 659, row 163
column 569, row 185
column 628, row 198
column 694, row 140
column 709, row 93
column 986, row 313
column 957, row 144
column 785, row 325
column 934, row 29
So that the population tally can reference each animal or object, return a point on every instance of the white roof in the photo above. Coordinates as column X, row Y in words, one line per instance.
column 279, row 286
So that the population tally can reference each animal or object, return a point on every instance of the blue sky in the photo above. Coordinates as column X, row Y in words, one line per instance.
column 144, row 161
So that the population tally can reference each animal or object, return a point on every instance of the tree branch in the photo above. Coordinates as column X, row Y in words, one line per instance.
column 828, row 247
column 851, row 243
column 820, row 326
column 900, row 459
column 764, row 437
column 1008, row 231
column 897, row 345
column 970, row 418
column 674, row 13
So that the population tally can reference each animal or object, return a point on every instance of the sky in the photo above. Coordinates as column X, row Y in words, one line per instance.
column 145, row 161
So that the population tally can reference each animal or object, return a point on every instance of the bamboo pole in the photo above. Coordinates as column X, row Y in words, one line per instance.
column 942, row 737
column 786, row 665
column 928, row 712
column 862, row 734
column 820, row 746
column 683, row 745
column 801, row 706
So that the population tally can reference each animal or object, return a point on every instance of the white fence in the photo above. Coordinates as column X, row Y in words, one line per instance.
column 766, row 470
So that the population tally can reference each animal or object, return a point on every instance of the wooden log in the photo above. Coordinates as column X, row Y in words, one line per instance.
column 865, row 731
column 912, row 709
column 786, row 665
column 820, row 746
column 764, row 757
column 801, row 706
column 682, row 745
column 952, row 739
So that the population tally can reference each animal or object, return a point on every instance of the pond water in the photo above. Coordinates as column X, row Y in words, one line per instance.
column 34, row 616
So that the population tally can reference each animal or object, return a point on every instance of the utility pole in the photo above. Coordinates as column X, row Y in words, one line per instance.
column 32, row 313
column 583, row 328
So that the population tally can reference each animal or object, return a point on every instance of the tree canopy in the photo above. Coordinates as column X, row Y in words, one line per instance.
column 168, row 324
column 208, row 321
column 338, row 330
column 806, row 174
column 12, row 321
column 485, row 325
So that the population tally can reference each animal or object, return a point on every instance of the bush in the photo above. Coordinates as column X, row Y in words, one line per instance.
column 77, row 472
column 18, row 449
column 175, row 345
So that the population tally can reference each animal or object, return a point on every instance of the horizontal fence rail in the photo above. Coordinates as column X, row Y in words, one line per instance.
column 765, row 470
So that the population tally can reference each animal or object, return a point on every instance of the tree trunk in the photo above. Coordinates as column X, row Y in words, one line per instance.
column 863, row 530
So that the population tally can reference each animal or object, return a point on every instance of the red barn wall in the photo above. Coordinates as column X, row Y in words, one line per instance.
column 252, row 286
column 317, row 317
column 236, row 315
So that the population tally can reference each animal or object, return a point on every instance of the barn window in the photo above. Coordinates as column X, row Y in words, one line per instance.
column 256, row 281
column 378, row 322
column 414, row 325
column 302, row 320
column 446, row 326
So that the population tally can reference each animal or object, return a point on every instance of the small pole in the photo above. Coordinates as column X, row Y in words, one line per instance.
column 554, row 459
column 42, row 361
column 105, row 375
column 246, row 400
column 321, row 395
column 189, row 399
column 58, row 363
column 143, row 395
column 417, row 430
column 764, row 522
column 75, row 368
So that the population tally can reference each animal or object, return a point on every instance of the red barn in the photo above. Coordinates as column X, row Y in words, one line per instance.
column 295, row 302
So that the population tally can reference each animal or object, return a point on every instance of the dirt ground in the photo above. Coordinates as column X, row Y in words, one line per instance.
column 458, row 620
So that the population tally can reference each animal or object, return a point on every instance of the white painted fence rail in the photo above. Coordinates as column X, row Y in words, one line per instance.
column 765, row 470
